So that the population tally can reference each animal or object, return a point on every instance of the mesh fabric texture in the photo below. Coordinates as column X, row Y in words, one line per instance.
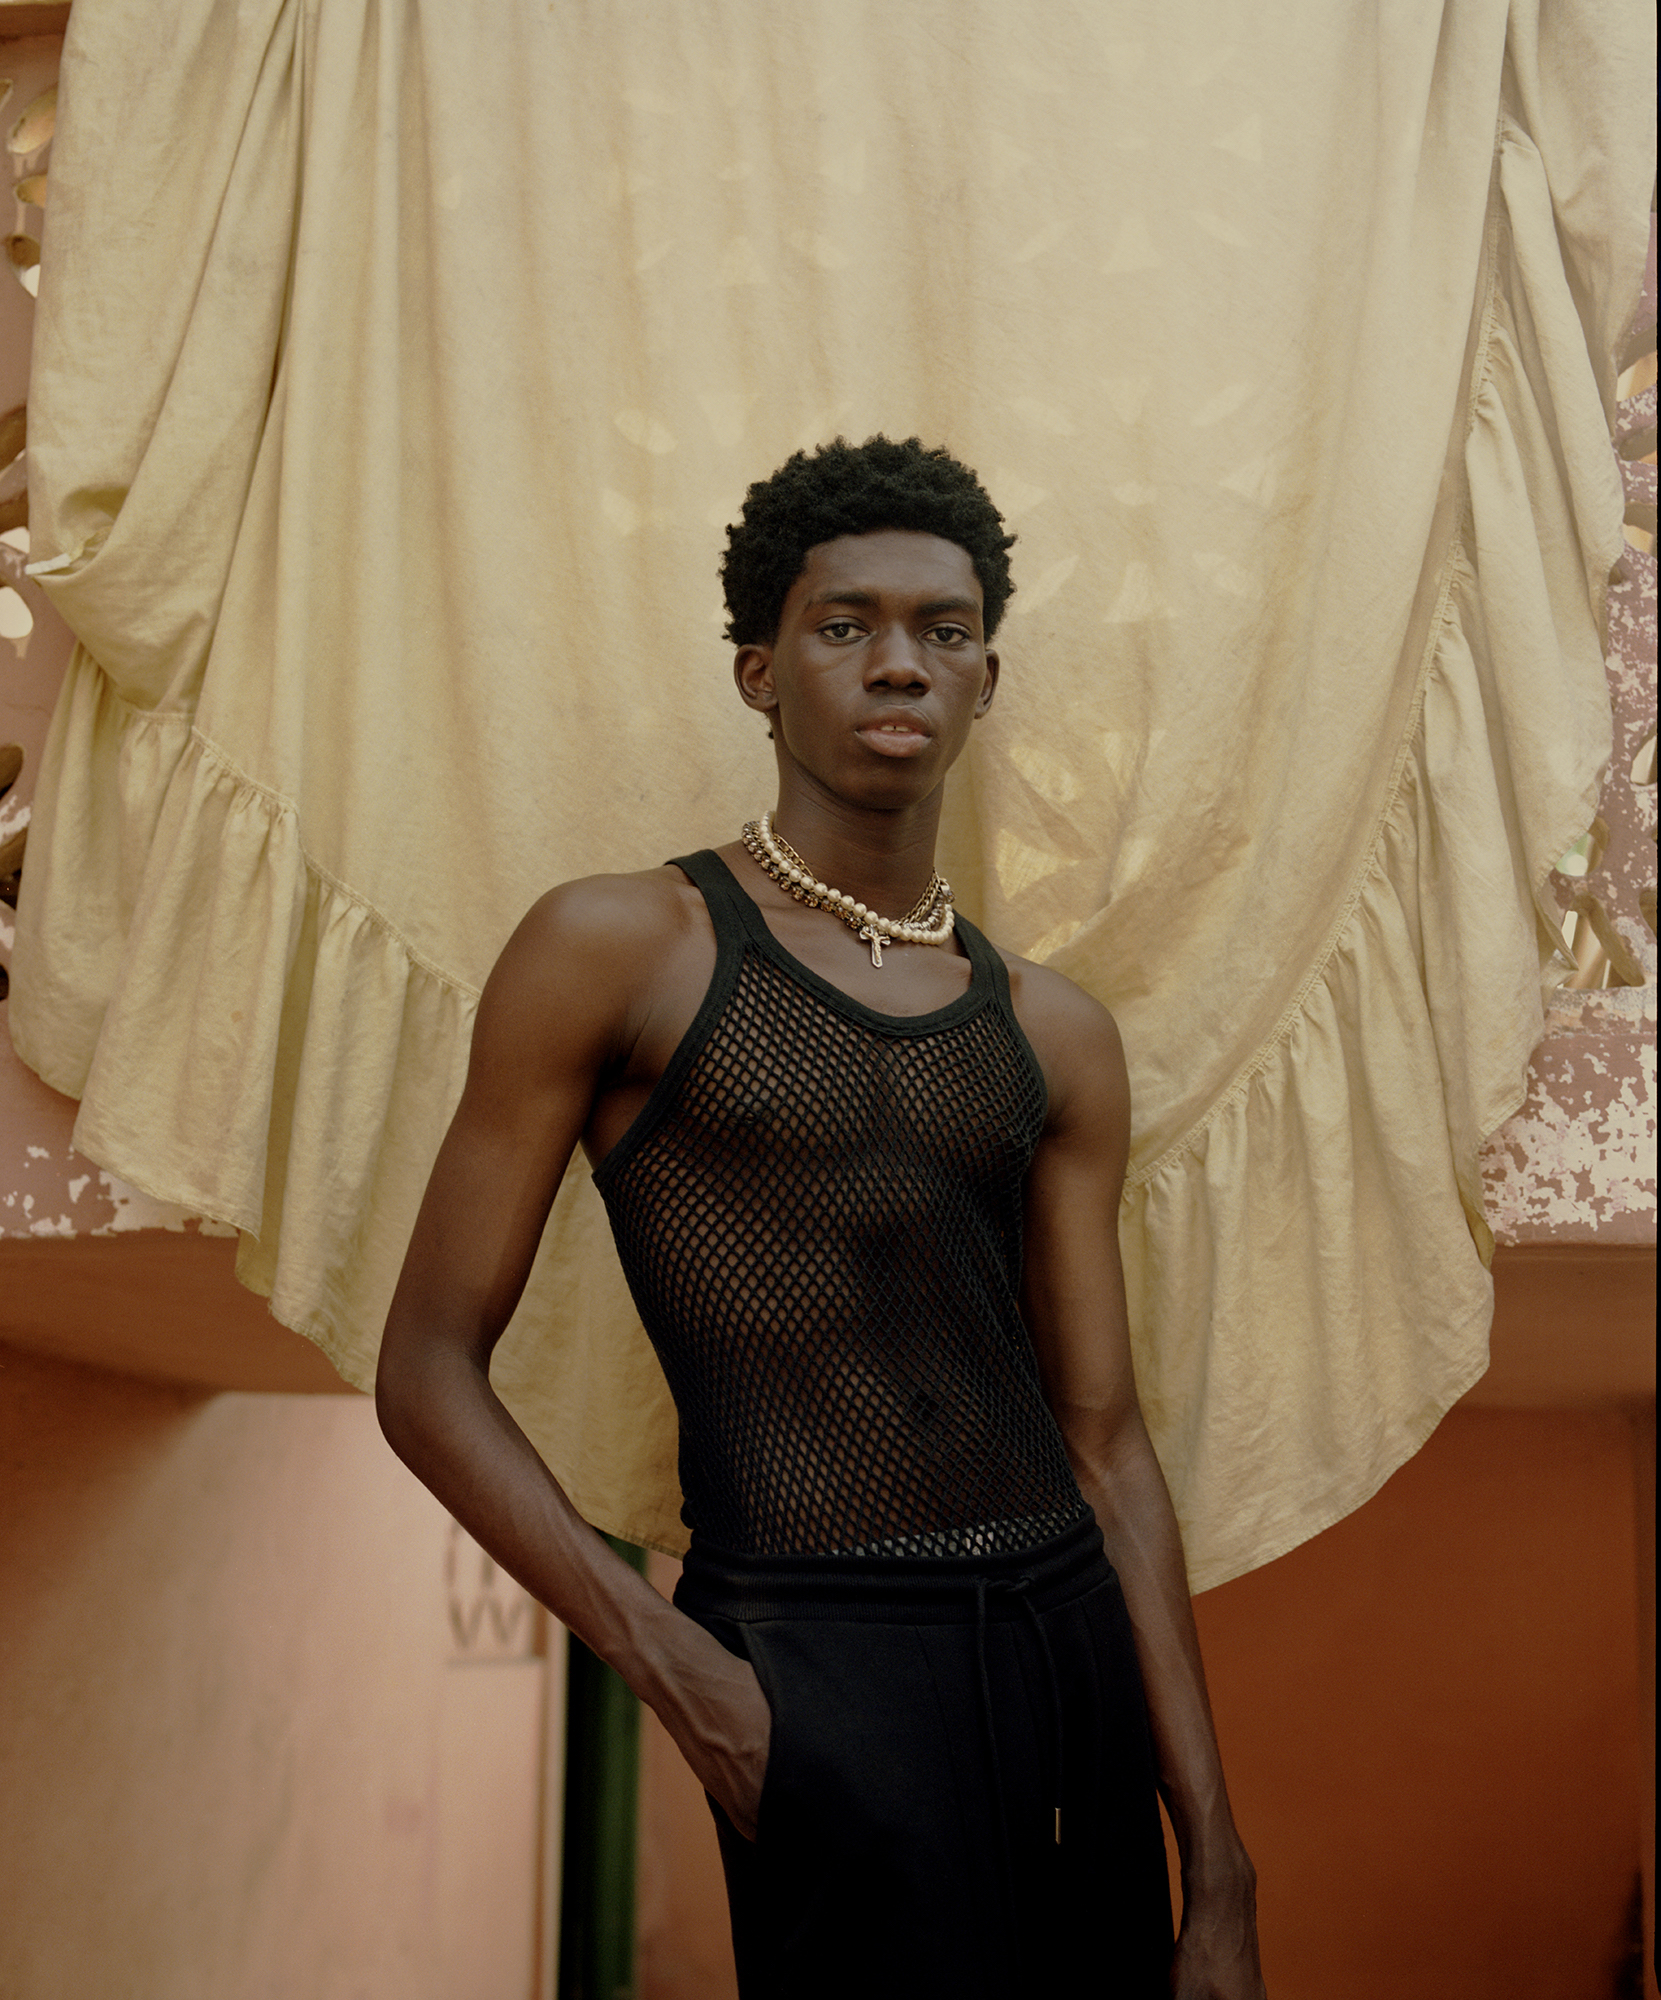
column 819, row 1215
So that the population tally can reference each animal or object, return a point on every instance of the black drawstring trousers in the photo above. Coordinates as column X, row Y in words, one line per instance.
column 959, row 1797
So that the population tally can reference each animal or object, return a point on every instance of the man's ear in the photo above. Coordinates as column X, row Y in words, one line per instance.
column 752, row 672
column 989, row 687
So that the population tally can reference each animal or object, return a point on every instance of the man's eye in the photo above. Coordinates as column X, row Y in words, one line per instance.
column 839, row 628
column 949, row 635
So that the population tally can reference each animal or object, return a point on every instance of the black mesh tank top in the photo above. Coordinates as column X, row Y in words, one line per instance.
column 819, row 1214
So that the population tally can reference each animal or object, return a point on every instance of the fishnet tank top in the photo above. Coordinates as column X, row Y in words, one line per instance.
column 819, row 1214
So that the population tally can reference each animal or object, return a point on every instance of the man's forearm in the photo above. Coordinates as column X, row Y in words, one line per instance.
column 1126, row 1489
column 450, row 1428
column 445, row 1421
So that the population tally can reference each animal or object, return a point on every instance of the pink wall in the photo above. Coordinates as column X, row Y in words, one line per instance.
column 269, row 1725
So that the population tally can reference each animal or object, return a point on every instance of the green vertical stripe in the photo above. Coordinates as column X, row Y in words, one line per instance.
column 602, row 1784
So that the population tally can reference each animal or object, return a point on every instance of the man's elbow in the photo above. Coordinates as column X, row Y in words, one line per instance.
column 432, row 1365
column 403, row 1385
column 389, row 1395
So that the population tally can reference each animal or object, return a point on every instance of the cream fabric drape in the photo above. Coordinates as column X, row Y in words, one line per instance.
column 397, row 369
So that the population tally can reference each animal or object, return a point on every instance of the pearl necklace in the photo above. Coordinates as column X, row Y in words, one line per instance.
column 928, row 921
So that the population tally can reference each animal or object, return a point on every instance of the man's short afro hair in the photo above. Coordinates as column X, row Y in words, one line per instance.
column 856, row 489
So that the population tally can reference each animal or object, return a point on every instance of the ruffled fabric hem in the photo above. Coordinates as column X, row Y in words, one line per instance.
column 305, row 1093
column 1408, row 1044
column 1274, row 1329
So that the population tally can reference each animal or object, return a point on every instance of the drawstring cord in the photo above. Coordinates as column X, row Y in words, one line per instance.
column 1008, row 1873
column 1043, row 1639
column 1018, row 1587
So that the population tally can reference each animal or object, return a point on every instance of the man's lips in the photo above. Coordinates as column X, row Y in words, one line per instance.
column 895, row 735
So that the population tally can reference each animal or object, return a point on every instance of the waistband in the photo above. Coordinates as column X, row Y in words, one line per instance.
column 901, row 1590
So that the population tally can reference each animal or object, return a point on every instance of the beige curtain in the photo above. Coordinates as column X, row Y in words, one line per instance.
column 397, row 369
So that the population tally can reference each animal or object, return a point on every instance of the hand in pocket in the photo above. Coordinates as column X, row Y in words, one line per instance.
column 720, row 1717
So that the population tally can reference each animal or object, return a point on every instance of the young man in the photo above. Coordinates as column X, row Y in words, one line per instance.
column 863, row 1172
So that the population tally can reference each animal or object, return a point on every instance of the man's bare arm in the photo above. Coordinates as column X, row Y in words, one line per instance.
column 1075, row 1309
column 558, row 1010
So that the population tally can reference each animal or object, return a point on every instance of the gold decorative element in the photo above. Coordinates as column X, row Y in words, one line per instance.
column 928, row 921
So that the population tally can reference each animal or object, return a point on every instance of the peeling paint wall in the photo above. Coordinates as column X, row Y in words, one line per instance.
column 111, row 1209
column 46, row 1187
column 1577, row 1162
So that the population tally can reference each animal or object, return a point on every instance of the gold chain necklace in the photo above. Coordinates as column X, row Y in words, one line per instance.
column 928, row 921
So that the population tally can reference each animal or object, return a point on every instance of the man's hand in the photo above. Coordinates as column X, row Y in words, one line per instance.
column 712, row 1705
column 1216, row 1955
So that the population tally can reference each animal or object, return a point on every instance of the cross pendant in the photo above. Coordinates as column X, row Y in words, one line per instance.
column 876, row 946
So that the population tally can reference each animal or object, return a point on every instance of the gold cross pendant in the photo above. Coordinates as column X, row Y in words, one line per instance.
column 875, row 938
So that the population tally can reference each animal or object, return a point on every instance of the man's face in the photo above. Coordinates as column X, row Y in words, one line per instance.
column 879, row 668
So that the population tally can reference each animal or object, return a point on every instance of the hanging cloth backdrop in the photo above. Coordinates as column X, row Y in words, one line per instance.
column 397, row 369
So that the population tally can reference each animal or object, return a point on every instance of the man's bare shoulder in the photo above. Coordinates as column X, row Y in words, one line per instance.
column 1050, row 1001
column 596, row 945
column 1074, row 1037
column 614, row 914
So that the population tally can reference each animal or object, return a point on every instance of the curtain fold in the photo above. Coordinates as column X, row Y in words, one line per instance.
column 394, row 380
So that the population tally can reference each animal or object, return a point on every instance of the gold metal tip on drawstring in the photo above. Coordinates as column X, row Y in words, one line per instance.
column 1058, row 1826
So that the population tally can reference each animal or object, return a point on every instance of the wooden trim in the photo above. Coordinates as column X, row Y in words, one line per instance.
column 20, row 18
column 1574, row 1327
column 157, row 1303
column 1574, row 1323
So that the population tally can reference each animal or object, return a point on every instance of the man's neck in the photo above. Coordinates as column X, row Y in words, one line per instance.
column 881, row 858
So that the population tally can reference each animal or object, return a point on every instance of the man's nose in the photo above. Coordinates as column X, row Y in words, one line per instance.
column 897, row 659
